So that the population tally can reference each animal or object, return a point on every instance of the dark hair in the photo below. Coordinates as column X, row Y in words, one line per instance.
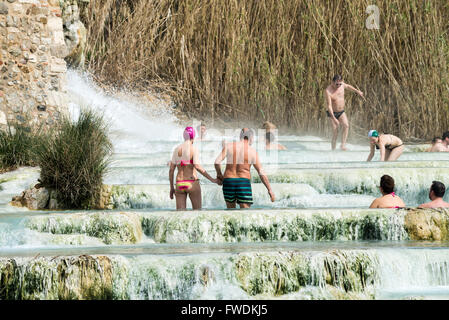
column 387, row 184
column 445, row 135
column 438, row 188
column 434, row 140
column 269, row 136
column 246, row 134
column 337, row 77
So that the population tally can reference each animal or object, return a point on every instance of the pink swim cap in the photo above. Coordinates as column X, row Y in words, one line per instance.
column 189, row 133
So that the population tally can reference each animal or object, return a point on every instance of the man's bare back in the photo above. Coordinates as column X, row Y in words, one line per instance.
column 239, row 158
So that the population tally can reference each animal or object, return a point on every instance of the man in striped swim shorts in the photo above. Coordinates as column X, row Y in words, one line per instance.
column 237, row 177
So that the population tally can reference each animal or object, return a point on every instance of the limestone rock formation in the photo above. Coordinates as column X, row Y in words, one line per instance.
column 39, row 198
column 110, row 227
column 65, row 278
column 34, row 199
column 426, row 224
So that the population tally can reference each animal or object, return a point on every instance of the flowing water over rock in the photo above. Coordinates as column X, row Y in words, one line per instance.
column 317, row 241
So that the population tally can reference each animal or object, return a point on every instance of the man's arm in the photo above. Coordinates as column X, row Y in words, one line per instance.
column 218, row 162
column 263, row 177
column 360, row 93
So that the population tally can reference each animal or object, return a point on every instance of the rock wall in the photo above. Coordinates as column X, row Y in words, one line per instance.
column 75, row 33
column 32, row 65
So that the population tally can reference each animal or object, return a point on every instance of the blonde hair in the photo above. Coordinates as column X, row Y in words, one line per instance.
column 268, row 126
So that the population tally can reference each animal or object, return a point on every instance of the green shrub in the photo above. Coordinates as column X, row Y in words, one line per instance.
column 16, row 146
column 74, row 159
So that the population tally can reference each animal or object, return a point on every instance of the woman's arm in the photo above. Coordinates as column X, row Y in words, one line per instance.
column 382, row 148
column 199, row 168
column 374, row 205
column 171, row 174
column 371, row 153
column 219, row 160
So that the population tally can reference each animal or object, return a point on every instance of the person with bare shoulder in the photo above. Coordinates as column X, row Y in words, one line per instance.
column 271, row 144
column 443, row 146
column 390, row 146
column 237, row 176
column 186, row 159
column 435, row 143
column 335, row 99
column 436, row 194
column 389, row 199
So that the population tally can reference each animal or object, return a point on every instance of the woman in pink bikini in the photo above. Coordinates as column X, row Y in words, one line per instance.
column 389, row 199
column 186, row 159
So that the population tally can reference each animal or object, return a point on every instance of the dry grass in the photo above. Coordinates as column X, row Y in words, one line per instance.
column 272, row 59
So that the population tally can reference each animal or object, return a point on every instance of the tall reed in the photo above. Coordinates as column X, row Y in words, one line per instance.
column 272, row 59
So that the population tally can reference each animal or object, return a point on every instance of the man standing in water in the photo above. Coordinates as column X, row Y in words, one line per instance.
column 335, row 98
column 237, row 177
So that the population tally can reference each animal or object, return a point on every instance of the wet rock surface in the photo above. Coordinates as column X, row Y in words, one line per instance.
column 426, row 224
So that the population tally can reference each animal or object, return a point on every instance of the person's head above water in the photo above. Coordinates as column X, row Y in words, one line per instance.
column 247, row 134
column 438, row 189
column 387, row 184
column 445, row 137
column 189, row 133
column 436, row 140
column 201, row 130
column 268, row 126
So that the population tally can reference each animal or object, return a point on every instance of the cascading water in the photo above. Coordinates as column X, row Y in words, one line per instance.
column 317, row 241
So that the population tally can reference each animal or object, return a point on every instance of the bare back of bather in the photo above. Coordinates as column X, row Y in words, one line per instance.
column 239, row 158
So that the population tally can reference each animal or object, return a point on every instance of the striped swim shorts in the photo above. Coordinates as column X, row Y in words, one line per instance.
column 237, row 189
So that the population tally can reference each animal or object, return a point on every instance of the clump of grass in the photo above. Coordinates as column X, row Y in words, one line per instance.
column 271, row 60
column 17, row 144
column 74, row 159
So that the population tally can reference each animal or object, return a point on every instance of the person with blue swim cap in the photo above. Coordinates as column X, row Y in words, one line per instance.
column 390, row 146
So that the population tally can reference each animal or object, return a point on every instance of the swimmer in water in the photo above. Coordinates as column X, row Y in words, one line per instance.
column 435, row 144
column 389, row 199
column 186, row 159
column 436, row 194
column 268, row 126
column 270, row 143
column 443, row 146
column 202, row 131
column 390, row 146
